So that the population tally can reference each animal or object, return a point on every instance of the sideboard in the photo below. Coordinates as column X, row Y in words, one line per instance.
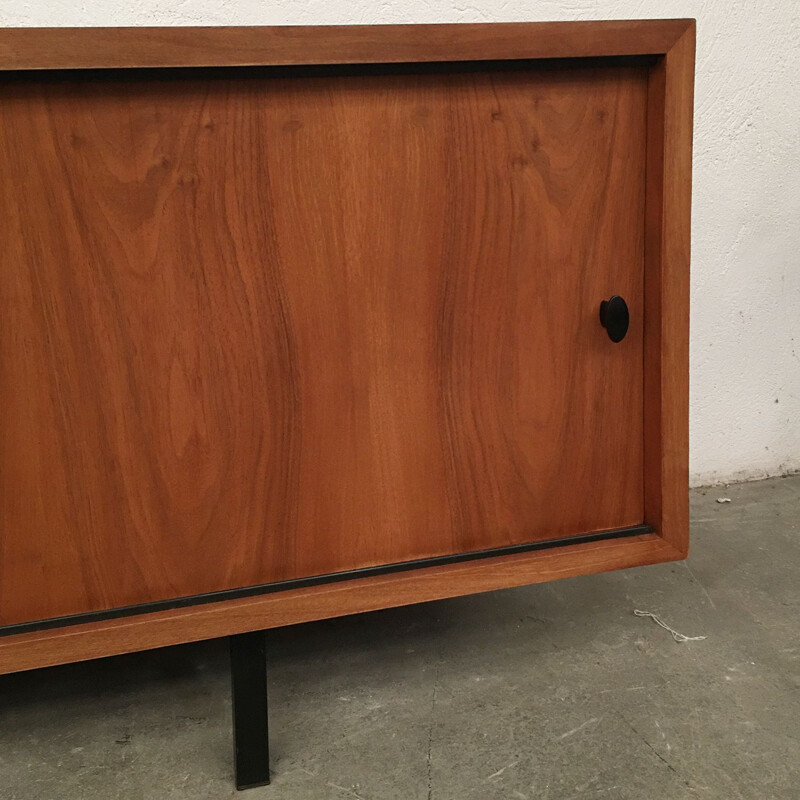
column 304, row 322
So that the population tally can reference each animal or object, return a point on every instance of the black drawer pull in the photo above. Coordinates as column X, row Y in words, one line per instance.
column 614, row 317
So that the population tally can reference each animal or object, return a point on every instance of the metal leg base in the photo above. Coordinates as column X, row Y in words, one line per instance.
column 250, row 727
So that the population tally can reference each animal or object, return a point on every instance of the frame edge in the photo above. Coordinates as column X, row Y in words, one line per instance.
column 667, row 290
column 113, row 48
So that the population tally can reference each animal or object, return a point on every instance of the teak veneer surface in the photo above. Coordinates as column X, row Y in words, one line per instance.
column 262, row 327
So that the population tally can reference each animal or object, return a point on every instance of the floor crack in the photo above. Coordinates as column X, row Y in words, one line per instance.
column 430, row 734
column 697, row 581
column 654, row 751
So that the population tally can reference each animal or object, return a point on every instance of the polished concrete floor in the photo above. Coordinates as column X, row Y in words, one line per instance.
column 544, row 693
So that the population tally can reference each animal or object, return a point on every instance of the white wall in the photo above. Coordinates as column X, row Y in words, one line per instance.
column 745, row 389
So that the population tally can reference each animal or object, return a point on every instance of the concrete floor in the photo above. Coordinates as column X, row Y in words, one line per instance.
column 548, row 692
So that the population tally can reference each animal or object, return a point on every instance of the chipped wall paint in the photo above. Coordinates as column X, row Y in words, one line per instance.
column 745, row 359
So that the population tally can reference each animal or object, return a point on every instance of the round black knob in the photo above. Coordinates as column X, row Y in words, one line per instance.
column 614, row 317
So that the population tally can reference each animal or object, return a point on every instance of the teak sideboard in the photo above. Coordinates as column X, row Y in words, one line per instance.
column 303, row 322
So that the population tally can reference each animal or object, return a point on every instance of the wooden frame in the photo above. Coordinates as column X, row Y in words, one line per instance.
column 118, row 48
column 666, row 342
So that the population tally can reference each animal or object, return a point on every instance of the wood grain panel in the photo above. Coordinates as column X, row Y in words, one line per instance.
column 263, row 328
column 82, row 48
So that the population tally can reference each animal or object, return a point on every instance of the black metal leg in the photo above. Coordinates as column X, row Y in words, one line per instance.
column 250, row 727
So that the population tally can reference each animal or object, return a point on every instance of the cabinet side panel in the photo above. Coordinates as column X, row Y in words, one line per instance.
column 668, row 244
